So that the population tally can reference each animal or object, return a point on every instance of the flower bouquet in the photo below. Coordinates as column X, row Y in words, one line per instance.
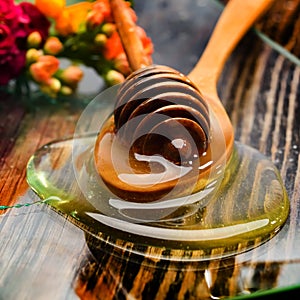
column 34, row 37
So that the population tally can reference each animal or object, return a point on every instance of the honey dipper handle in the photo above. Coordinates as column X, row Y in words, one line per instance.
column 238, row 16
column 129, row 37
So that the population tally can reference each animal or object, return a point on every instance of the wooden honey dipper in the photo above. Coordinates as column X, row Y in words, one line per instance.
column 160, row 112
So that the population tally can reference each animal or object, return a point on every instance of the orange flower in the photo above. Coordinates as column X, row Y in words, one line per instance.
column 146, row 41
column 44, row 69
column 131, row 12
column 113, row 47
column 72, row 17
column 100, row 12
column 51, row 8
column 63, row 24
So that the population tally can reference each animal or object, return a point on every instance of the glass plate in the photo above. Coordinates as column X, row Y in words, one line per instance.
column 240, row 209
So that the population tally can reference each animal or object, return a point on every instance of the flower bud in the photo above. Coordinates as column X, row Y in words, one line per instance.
column 53, row 46
column 46, row 90
column 66, row 90
column 52, row 88
column 108, row 28
column 34, row 39
column 54, row 85
column 121, row 64
column 114, row 77
column 42, row 70
column 146, row 41
column 99, row 13
column 71, row 75
column 94, row 19
column 100, row 39
column 32, row 55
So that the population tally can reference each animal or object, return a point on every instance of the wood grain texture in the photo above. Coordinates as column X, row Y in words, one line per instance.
column 282, row 24
column 44, row 256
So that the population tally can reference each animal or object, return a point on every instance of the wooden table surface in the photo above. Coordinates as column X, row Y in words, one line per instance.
column 44, row 256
